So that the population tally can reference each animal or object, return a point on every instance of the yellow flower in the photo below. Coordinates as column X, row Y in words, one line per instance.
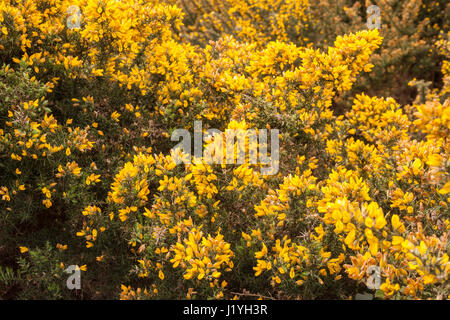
column 115, row 116
column 61, row 247
column 397, row 224
column 92, row 178
column 350, row 238
column 445, row 189
column 23, row 249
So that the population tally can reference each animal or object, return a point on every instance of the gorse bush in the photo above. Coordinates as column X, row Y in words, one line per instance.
column 91, row 92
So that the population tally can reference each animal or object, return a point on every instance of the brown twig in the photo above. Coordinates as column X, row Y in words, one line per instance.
column 248, row 294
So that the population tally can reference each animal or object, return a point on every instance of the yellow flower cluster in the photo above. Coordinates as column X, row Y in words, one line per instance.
column 202, row 257
column 92, row 90
column 249, row 21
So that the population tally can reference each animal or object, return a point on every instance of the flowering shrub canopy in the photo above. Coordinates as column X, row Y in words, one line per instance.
column 92, row 90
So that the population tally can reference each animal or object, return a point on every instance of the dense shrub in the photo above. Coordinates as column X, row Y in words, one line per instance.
column 91, row 92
